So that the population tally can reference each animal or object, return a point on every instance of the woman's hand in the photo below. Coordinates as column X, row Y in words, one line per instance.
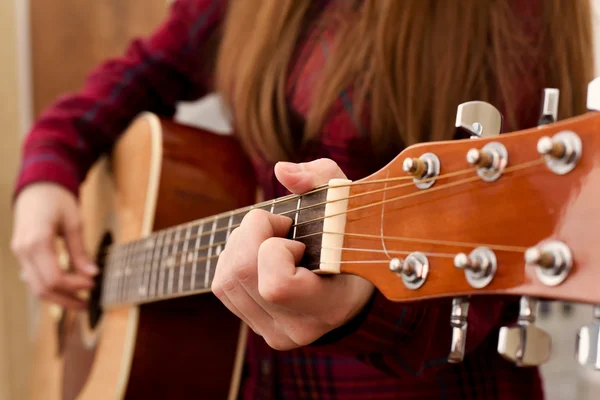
column 43, row 212
column 257, row 279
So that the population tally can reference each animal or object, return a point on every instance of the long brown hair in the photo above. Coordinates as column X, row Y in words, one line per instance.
column 409, row 62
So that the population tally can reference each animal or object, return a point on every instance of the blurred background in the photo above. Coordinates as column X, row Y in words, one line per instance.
column 47, row 47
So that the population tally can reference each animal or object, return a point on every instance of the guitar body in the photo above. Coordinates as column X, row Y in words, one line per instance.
column 159, row 175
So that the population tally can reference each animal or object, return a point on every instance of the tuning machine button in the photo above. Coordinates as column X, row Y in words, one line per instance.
column 458, row 322
column 424, row 169
column 549, row 112
column 478, row 119
column 490, row 161
column 588, row 343
column 480, row 266
column 413, row 270
column 553, row 261
column 524, row 343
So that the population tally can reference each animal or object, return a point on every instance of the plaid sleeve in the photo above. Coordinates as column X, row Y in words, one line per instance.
column 410, row 338
column 153, row 74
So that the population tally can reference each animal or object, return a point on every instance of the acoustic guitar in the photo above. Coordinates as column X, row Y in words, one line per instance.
column 516, row 214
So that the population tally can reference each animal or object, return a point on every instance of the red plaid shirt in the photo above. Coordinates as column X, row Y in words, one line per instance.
column 392, row 350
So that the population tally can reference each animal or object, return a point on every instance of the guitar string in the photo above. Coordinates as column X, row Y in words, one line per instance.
column 518, row 167
column 522, row 166
column 212, row 232
column 414, row 194
column 293, row 199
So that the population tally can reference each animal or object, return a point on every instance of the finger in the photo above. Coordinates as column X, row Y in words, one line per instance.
column 36, row 284
column 73, row 234
column 303, row 177
column 44, row 261
column 281, row 282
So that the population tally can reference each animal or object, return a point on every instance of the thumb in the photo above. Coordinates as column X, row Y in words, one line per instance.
column 303, row 177
column 73, row 233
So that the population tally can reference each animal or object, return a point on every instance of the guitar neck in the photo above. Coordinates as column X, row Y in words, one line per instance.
column 181, row 260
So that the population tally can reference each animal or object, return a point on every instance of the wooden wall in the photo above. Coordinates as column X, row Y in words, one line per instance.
column 68, row 37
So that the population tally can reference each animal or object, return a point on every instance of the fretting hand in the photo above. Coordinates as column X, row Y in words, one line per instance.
column 257, row 277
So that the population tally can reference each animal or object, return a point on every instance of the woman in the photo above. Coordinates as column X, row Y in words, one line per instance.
column 308, row 82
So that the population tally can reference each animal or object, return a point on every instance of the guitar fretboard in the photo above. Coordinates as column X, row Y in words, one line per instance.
column 181, row 260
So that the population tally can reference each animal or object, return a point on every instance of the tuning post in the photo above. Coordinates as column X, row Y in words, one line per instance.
column 562, row 151
column 588, row 342
column 524, row 343
column 553, row 262
column 413, row 270
column 480, row 266
column 423, row 169
column 490, row 161
column 458, row 322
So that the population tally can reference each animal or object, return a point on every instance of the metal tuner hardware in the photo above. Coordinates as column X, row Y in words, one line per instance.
column 553, row 261
column 413, row 270
column 480, row 266
column 458, row 322
column 424, row 169
column 549, row 113
column 588, row 342
column 593, row 95
column 524, row 343
column 491, row 160
column 478, row 119
column 562, row 151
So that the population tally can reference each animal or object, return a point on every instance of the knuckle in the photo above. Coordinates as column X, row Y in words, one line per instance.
column 244, row 272
column 274, row 292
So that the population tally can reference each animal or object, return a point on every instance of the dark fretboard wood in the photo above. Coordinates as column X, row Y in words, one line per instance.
column 182, row 260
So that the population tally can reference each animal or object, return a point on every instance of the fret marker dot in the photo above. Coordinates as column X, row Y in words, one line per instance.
column 219, row 250
column 142, row 291
column 170, row 262
column 150, row 243
column 190, row 257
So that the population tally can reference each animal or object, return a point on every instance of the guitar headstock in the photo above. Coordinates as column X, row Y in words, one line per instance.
column 512, row 214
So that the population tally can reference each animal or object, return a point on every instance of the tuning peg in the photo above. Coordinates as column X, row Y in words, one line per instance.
column 553, row 261
column 588, row 342
column 524, row 343
column 593, row 95
column 458, row 322
column 423, row 169
column 480, row 266
column 413, row 270
column 478, row 119
column 549, row 112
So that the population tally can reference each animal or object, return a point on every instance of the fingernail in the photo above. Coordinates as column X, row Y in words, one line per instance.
column 91, row 268
column 289, row 167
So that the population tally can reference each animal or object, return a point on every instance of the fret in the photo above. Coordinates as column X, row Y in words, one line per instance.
column 296, row 217
column 156, row 257
column 143, row 288
column 197, row 242
column 272, row 208
column 172, row 263
column 107, row 281
column 134, row 265
column 209, row 254
column 121, row 273
column 184, row 258
column 164, row 263
column 286, row 207
column 229, row 225
column 311, row 233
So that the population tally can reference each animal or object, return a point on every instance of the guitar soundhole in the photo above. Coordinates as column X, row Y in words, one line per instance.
column 94, row 304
